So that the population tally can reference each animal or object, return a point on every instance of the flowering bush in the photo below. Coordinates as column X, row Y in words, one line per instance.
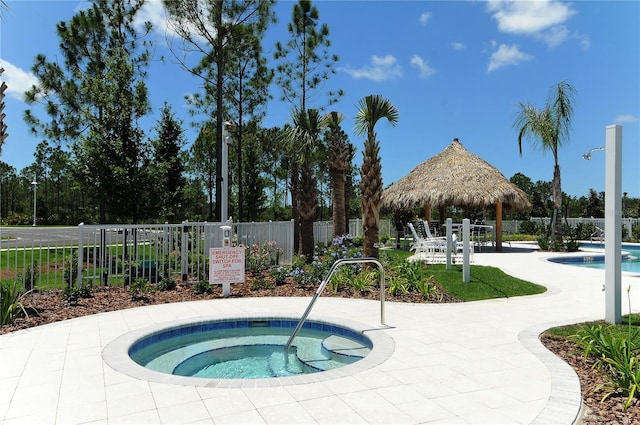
column 260, row 258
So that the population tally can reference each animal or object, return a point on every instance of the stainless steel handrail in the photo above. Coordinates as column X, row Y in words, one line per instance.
column 326, row 280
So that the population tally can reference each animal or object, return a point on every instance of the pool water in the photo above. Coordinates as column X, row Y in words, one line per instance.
column 595, row 260
column 249, row 349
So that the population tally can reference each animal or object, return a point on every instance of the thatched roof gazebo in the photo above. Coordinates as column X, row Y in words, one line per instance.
column 456, row 177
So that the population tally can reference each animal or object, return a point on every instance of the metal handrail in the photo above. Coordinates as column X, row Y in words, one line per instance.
column 326, row 280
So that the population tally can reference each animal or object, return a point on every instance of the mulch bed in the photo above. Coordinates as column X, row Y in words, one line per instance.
column 51, row 308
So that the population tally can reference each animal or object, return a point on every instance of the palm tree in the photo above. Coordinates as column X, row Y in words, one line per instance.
column 371, row 109
column 548, row 128
column 338, row 154
column 304, row 137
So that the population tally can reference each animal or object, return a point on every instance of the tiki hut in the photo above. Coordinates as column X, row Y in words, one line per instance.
column 456, row 177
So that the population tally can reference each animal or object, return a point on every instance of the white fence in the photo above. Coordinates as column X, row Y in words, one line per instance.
column 56, row 257
column 52, row 258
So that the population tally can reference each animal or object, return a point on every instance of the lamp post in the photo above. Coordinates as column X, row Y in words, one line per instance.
column 34, row 183
column 227, row 128
column 612, row 222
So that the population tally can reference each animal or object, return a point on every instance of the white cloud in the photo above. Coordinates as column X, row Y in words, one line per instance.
column 425, row 17
column 18, row 81
column 527, row 17
column 456, row 45
column 626, row 118
column 380, row 69
column 555, row 35
column 542, row 19
column 425, row 70
column 507, row 55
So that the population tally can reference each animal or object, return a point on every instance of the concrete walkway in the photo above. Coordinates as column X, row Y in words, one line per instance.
column 476, row 362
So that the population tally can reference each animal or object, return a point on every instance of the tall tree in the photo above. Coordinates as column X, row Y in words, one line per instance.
column 307, row 127
column 248, row 89
column 548, row 128
column 200, row 165
column 168, row 170
column 94, row 100
column 372, row 109
column 211, row 29
column 338, row 159
column 304, row 66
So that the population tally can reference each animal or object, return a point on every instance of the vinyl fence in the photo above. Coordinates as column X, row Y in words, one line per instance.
column 52, row 258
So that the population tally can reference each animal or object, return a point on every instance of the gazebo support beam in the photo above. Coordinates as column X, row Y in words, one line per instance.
column 427, row 212
column 498, row 234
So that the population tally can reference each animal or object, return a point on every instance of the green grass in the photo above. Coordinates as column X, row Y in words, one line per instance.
column 485, row 283
column 621, row 329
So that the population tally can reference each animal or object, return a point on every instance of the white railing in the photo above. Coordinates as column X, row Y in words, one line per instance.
column 52, row 258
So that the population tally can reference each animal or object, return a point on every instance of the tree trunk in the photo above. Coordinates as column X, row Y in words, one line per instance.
column 307, row 211
column 370, row 194
column 339, row 220
column 557, row 206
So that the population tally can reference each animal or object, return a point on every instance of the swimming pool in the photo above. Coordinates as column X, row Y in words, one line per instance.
column 595, row 259
column 233, row 351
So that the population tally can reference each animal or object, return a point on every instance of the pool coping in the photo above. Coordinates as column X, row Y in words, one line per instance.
column 115, row 354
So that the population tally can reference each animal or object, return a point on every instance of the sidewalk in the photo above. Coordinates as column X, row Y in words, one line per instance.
column 476, row 362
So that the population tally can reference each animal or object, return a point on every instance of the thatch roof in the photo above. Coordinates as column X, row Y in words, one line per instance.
column 454, row 177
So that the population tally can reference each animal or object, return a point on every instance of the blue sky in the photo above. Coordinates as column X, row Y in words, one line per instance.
column 453, row 69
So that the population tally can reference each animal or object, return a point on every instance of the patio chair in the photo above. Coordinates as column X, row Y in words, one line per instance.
column 421, row 244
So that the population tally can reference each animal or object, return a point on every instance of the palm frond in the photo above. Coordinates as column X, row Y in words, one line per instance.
column 372, row 109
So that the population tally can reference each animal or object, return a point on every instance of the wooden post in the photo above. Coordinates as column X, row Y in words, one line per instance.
column 427, row 213
column 498, row 228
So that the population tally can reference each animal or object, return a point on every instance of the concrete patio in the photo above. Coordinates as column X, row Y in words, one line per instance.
column 474, row 362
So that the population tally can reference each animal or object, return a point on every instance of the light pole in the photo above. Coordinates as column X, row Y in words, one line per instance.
column 227, row 128
column 34, row 183
column 612, row 222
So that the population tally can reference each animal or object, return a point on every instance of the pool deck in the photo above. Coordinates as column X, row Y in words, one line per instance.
column 474, row 362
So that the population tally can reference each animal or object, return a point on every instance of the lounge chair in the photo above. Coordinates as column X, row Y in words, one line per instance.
column 421, row 244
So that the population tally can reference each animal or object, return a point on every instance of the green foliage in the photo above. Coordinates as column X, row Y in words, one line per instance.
column 397, row 285
column 260, row 282
column 167, row 283
column 341, row 278
column 365, row 281
column 140, row 289
column 279, row 274
column 259, row 258
column 11, row 307
column 72, row 294
column 616, row 353
column 30, row 275
column 544, row 242
column 202, row 287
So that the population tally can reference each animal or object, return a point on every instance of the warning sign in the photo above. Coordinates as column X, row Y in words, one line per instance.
column 226, row 265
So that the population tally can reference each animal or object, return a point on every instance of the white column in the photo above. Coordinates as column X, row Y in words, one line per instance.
column 449, row 235
column 466, row 268
column 613, row 224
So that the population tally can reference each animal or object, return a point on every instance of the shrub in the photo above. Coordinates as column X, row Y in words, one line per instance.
column 528, row 227
column 30, row 275
column 167, row 284
column 202, row 287
column 616, row 354
column 140, row 289
column 11, row 307
column 72, row 294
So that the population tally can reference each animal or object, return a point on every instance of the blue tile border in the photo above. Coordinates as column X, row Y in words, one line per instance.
column 116, row 353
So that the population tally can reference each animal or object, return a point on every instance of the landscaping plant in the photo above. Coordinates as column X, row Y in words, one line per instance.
column 616, row 355
column 11, row 296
